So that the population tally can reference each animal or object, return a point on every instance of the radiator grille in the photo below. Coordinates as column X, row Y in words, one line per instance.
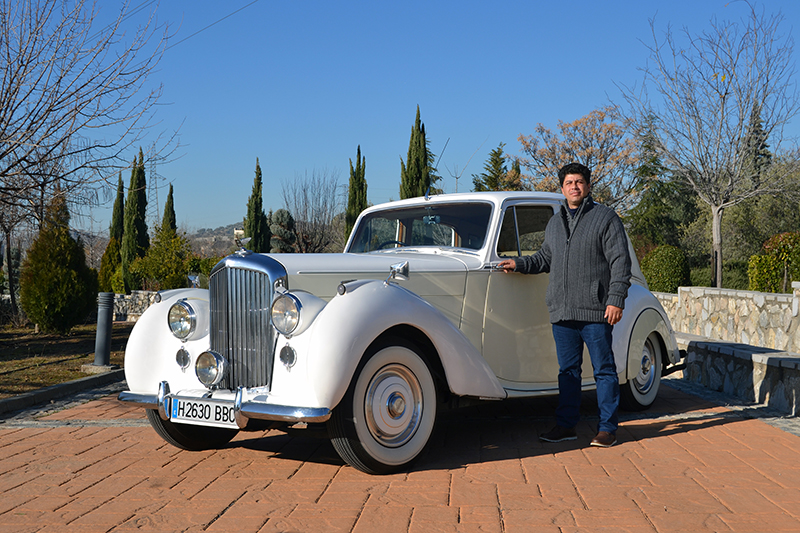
column 240, row 328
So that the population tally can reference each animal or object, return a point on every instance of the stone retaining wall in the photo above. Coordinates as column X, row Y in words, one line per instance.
column 755, row 318
column 753, row 373
column 129, row 307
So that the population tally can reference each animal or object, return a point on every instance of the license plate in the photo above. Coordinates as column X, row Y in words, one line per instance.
column 203, row 413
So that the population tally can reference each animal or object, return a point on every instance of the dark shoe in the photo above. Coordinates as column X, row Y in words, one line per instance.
column 559, row 434
column 604, row 439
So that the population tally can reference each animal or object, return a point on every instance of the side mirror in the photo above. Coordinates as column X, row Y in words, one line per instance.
column 398, row 271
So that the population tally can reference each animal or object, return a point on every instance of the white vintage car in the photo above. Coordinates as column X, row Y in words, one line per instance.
column 373, row 340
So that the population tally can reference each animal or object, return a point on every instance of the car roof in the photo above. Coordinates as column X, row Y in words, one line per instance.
column 494, row 197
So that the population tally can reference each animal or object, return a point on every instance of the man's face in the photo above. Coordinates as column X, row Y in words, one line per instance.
column 575, row 189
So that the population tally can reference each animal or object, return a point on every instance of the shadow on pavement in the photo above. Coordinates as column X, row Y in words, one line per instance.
column 498, row 431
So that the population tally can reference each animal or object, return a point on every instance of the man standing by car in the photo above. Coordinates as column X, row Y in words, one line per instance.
column 586, row 252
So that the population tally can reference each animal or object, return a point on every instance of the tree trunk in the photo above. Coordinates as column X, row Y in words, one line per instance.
column 11, row 287
column 716, row 245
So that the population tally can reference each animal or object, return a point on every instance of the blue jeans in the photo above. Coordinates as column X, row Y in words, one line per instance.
column 570, row 337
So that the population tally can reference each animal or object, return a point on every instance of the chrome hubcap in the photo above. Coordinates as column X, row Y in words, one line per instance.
column 644, row 380
column 393, row 405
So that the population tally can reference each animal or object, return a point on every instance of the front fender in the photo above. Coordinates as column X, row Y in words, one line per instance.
column 343, row 331
column 151, row 349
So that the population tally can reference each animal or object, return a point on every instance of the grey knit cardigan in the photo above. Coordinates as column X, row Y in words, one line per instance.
column 587, row 257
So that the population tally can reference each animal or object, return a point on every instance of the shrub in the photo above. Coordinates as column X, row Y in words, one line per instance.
column 765, row 273
column 57, row 288
column 779, row 263
column 165, row 265
column 666, row 269
column 734, row 276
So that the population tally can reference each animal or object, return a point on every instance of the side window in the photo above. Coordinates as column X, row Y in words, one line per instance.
column 507, row 242
column 522, row 232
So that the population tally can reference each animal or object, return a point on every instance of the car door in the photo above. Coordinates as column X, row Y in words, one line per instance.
column 517, row 335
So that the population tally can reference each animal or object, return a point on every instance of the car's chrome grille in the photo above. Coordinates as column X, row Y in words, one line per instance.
column 240, row 328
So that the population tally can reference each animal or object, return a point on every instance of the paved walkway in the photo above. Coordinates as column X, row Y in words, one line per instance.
column 688, row 464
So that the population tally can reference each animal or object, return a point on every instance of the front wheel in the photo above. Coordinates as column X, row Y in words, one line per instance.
column 639, row 393
column 387, row 415
column 189, row 437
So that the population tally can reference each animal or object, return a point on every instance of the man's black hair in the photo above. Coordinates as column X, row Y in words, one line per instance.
column 574, row 168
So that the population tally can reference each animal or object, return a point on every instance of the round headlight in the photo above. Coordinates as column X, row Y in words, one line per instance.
column 182, row 319
column 210, row 368
column 285, row 313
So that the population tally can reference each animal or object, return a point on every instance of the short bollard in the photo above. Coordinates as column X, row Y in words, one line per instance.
column 102, row 343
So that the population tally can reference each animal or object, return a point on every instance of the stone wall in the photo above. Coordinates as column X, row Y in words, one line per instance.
column 753, row 373
column 129, row 307
column 755, row 318
column 743, row 343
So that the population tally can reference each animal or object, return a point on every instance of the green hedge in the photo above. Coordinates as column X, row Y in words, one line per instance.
column 777, row 266
column 666, row 269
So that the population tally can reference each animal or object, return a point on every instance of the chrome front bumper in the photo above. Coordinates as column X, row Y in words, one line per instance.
column 243, row 411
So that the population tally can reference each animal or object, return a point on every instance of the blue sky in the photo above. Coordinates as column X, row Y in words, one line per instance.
column 301, row 84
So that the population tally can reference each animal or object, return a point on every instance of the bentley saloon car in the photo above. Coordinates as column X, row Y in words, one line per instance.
column 372, row 342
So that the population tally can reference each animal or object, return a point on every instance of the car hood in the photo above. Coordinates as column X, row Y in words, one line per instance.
column 438, row 277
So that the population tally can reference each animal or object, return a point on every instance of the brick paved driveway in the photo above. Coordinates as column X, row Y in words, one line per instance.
column 686, row 465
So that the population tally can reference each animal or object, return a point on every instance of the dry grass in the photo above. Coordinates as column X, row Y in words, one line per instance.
column 30, row 361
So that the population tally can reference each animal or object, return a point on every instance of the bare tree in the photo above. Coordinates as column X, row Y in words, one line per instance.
column 600, row 141
column 74, row 97
column 315, row 200
column 718, row 92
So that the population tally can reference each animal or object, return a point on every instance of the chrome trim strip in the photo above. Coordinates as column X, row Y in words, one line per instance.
column 148, row 401
column 163, row 400
column 240, row 419
column 286, row 413
column 260, row 411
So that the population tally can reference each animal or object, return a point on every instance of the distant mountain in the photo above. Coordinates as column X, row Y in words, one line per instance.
column 216, row 242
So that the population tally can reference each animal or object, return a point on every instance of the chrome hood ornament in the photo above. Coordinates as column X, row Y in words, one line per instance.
column 241, row 243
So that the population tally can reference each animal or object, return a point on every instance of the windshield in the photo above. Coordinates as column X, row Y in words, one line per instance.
column 441, row 225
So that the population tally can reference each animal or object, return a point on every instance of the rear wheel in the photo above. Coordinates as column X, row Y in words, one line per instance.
column 189, row 437
column 639, row 393
column 386, row 417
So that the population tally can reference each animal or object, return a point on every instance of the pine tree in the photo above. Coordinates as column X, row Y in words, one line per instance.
column 417, row 174
column 168, row 220
column 495, row 172
column 255, row 225
column 356, row 192
column 111, row 257
column 283, row 234
column 135, row 240
column 57, row 288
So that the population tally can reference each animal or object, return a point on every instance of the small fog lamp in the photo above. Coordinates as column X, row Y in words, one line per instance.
column 182, row 358
column 210, row 368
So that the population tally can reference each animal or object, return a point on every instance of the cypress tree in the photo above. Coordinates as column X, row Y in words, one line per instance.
column 255, row 225
column 111, row 257
column 356, row 192
column 168, row 220
column 135, row 240
column 118, row 215
column 57, row 288
column 417, row 174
